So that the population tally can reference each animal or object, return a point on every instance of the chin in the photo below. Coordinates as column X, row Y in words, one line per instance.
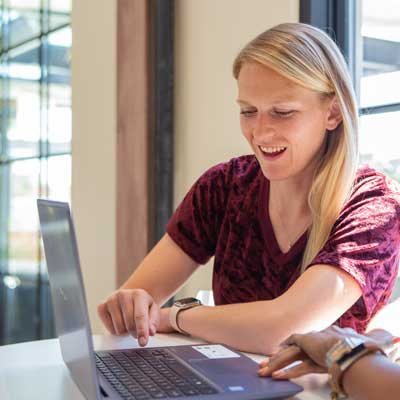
column 275, row 175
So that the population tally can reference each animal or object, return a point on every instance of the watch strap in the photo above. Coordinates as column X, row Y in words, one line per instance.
column 173, row 319
column 173, row 315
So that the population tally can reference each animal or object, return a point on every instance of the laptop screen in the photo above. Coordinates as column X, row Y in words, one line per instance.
column 69, row 303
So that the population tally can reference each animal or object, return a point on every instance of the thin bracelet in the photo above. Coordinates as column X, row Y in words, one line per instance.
column 337, row 373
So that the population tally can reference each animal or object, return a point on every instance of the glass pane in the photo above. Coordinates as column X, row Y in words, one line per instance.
column 4, row 216
column 56, row 178
column 19, row 296
column 3, row 19
column 59, row 100
column 55, row 184
column 59, row 13
column 4, row 104
column 59, row 53
column 23, row 225
column 380, row 29
column 23, row 310
column 24, row 20
column 379, row 142
column 24, row 124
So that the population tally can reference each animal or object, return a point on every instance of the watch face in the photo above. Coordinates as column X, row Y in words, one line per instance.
column 187, row 301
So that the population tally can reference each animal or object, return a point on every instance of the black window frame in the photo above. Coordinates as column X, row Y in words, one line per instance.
column 341, row 19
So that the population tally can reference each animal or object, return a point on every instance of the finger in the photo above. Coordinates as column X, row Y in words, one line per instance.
column 114, row 310
column 263, row 363
column 127, row 307
column 282, row 359
column 292, row 339
column 300, row 369
column 154, row 317
column 106, row 318
column 141, row 315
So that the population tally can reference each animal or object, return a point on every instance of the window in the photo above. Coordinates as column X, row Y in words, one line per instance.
column 35, row 161
column 369, row 36
column 380, row 80
column 379, row 94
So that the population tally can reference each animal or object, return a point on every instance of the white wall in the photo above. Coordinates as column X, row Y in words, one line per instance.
column 208, row 35
column 93, row 144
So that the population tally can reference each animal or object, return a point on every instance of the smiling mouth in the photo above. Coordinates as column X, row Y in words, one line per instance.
column 272, row 151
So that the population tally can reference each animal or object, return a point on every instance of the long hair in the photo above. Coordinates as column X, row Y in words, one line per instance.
column 309, row 57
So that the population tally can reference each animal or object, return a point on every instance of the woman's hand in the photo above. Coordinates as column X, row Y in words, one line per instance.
column 309, row 351
column 130, row 311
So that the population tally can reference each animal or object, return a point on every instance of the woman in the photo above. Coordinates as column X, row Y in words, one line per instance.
column 301, row 239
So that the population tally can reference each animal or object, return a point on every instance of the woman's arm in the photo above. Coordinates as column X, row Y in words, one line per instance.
column 372, row 377
column 317, row 299
column 163, row 271
column 134, row 308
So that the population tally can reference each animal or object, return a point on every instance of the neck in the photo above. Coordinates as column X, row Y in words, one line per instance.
column 290, row 196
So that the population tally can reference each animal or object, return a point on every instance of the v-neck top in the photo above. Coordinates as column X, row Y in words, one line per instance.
column 225, row 215
column 268, row 231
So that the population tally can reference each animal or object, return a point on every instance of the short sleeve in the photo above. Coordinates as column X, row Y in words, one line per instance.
column 365, row 242
column 195, row 224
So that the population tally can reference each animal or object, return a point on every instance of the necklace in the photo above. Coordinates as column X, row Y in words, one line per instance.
column 285, row 229
column 290, row 242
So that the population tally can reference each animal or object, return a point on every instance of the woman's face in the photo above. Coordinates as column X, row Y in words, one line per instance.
column 284, row 123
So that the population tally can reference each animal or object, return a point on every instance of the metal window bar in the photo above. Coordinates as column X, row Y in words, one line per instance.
column 4, row 173
column 380, row 109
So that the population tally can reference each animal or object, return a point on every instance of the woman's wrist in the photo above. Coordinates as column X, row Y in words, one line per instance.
column 185, row 317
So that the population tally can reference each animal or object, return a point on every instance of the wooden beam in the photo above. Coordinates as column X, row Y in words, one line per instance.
column 133, row 130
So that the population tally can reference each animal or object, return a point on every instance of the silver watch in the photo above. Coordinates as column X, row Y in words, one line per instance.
column 180, row 305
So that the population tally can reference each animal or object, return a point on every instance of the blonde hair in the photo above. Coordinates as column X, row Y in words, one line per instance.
column 310, row 58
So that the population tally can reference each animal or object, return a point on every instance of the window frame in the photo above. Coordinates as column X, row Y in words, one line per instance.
column 42, row 320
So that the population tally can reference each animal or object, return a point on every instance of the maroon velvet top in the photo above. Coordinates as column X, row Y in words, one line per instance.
column 225, row 214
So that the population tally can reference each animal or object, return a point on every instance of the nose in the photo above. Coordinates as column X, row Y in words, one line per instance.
column 262, row 127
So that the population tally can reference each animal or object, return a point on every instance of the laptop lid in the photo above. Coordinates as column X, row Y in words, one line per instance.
column 68, row 295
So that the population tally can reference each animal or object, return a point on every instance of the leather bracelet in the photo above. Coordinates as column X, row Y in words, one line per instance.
column 338, row 368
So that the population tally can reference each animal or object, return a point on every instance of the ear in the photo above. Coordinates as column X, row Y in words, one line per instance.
column 334, row 116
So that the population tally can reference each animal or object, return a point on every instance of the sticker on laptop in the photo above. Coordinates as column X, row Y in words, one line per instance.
column 214, row 351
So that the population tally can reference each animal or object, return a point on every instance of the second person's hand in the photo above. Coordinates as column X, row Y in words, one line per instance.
column 131, row 311
column 309, row 350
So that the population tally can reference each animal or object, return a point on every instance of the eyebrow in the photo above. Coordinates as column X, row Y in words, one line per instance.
column 278, row 100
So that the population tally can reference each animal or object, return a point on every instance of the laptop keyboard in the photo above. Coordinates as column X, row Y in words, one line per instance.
column 150, row 374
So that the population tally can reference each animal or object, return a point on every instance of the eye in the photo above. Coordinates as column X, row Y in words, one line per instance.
column 282, row 114
column 247, row 113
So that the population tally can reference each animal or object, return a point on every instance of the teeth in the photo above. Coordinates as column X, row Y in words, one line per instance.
column 271, row 150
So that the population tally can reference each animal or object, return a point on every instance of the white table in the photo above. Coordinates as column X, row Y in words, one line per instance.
column 35, row 370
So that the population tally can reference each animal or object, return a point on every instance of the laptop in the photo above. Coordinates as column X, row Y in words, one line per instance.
column 203, row 371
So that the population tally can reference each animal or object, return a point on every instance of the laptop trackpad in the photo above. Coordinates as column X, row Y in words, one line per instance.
column 240, row 375
column 229, row 373
column 223, row 367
